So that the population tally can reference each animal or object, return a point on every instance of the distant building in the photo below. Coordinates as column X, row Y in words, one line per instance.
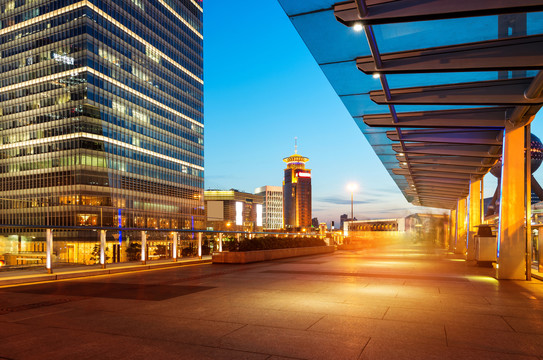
column 315, row 223
column 233, row 210
column 273, row 206
column 344, row 218
column 297, row 193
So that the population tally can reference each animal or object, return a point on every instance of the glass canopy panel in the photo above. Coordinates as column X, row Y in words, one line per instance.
column 328, row 40
column 359, row 105
column 398, row 81
column 423, row 34
column 297, row 7
column 348, row 80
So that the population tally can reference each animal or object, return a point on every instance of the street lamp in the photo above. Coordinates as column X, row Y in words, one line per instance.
column 352, row 188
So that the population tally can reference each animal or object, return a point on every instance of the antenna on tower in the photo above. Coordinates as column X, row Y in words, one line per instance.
column 295, row 144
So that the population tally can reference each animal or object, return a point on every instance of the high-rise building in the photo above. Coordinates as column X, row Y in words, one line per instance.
column 101, row 113
column 297, row 193
column 233, row 210
column 273, row 206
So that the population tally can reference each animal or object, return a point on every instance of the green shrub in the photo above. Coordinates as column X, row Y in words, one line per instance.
column 272, row 242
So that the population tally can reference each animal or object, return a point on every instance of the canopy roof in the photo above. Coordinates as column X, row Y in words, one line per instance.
column 432, row 84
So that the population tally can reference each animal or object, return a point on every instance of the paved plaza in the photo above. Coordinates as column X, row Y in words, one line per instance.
column 409, row 301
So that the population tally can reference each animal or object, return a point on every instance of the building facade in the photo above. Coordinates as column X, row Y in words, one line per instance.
column 297, row 194
column 233, row 210
column 273, row 206
column 101, row 113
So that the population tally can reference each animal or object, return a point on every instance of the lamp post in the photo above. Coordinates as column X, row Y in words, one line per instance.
column 352, row 187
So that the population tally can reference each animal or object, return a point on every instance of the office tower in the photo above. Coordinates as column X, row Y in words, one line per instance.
column 233, row 210
column 273, row 206
column 297, row 193
column 101, row 113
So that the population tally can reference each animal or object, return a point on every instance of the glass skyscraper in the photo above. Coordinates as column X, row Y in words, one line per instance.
column 101, row 113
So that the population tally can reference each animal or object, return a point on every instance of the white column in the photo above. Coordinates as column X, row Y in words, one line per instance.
column 220, row 242
column 143, row 248
column 511, row 233
column 200, row 245
column 474, row 215
column 174, row 247
column 103, row 248
column 49, row 250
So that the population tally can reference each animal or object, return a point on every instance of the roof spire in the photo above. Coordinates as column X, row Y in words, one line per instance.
column 295, row 144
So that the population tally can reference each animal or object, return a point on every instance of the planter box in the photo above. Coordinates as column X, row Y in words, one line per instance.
column 244, row 257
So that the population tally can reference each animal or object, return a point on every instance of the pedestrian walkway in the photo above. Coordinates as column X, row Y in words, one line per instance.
column 409, row 301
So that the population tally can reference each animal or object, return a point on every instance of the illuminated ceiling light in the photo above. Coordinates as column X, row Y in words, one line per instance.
column 401, row 154
column 376, row 76
column 358, row 27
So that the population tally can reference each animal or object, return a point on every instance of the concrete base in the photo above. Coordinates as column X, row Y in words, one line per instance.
column 244, row 257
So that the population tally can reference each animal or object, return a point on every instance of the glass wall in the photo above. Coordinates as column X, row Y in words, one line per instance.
column 101, row 119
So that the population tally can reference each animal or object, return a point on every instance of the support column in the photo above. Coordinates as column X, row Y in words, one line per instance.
column 103, row 248
column 540, row 249
column 174, row 246
column 461, row 225
column 220, row 242
column 49, row 250
column 452, row 231
column 143, row 248
column 474, row 215
column 511, row 233
column 200, row 245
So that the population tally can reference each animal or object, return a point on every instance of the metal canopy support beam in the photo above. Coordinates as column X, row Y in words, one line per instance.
column 461, row 239
column 474, row 214
column 416, row 10
column 444, row 180
column 494, row 92
column 520, row 53
column 437, row 174
column 464, row 118
column 474, row 137
column 511, row 232
column 443, row 168
column 451, row 160
column 479, row 151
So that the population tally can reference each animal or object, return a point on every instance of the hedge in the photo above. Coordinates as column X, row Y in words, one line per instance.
column 271, row 242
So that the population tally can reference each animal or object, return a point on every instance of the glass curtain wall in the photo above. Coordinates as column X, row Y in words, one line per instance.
column 101, row 119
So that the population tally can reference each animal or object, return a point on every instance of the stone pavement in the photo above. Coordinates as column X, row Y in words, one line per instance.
column 403, row 302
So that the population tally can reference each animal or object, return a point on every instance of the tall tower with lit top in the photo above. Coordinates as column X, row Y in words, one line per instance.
column 297, row 193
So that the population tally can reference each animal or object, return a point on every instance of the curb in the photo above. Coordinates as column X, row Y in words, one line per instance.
column 29, row 279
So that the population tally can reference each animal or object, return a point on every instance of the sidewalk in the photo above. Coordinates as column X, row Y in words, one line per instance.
column 404, row 302
column 27, row 276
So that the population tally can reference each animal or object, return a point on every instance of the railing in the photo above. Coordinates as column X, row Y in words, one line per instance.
column 54, row 246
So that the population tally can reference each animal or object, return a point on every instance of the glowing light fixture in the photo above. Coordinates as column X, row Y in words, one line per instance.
column 358, row 27
column 376, row 76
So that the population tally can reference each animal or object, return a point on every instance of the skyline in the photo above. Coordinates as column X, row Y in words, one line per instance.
column 261, row 79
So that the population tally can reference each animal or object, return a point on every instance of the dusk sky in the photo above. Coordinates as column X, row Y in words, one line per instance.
column 262, row 89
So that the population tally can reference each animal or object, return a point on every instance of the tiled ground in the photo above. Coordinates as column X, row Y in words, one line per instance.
column 403, row 302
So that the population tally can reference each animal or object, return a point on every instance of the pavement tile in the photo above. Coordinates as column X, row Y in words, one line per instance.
column 446, row 317
column 408, row 331
column 50, row 343
column 295, row 343
column 378, row 349
column 493, row 340
column 265, row 317
column 532, row 325
column 200, row 332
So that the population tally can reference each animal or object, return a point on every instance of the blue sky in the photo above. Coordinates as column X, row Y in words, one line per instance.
column 262, row 89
